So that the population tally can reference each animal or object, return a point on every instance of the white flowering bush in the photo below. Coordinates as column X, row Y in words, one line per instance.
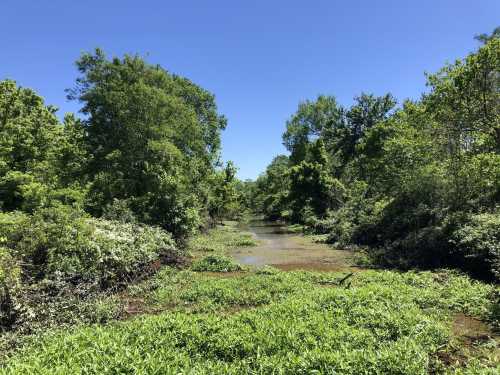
column 57, row 265
column 63, row 243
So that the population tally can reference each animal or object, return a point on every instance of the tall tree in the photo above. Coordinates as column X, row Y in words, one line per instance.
column 312, row 120
column 313, row 190
column 29, row 136
column 154, row 139
column 225, row 202
column 272, row 188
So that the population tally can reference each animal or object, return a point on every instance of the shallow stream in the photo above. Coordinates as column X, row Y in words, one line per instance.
column 279, row 248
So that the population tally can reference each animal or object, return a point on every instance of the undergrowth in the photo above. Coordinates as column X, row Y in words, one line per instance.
column 215, row 263
column 269, row 321
column 275, row 322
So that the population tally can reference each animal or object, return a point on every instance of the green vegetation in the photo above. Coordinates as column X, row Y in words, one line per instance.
column 217, row 242
column 221, row 239
column 115, row 241
column 383, row 322
column 215, row 263
column 89, row 205
column 61, row 243
column 415, row 185
column 268, row 321
column 59, row 266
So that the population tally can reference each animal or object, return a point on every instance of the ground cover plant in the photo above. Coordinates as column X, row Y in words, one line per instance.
column 215, row 263
column 209, row 249
column 285, row 322
column 220, row 239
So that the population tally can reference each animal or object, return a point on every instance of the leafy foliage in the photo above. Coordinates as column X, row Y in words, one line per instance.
column 272, row 189
column 56, row 261
column 220, row 239
column 153, row 139
column 37, row 154
column 60, row 242
column 478, row 241
column 417, row 185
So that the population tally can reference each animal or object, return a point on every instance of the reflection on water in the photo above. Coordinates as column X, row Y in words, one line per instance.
column 280, row 248
column 265, row 230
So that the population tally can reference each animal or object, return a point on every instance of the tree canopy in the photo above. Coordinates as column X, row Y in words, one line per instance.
column 408, row 182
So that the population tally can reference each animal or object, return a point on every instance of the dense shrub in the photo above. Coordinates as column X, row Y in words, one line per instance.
column 119, row 210
column 128, row 249
column 478, row 244
column 10, row 272
column 54, row 264
column 61, row 242
column 355, row 222
column 54, row 303
column 9, row 284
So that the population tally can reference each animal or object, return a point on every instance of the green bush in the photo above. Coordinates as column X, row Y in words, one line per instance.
column 22, row 191
column 119, row 210
column 478, row 244
column 342, row 226
column 61, row 242
column 10, row 272
column 215, row 263
column 54, row 303
column 129, row 249
column 9, row 283
column 9, row 267
column 56, row 263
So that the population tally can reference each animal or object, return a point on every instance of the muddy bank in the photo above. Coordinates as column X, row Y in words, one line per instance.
column 289, row 251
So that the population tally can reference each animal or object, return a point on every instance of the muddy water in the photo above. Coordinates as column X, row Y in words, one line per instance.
column 289, row 251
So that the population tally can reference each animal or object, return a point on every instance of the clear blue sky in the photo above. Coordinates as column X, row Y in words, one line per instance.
column 260, row 58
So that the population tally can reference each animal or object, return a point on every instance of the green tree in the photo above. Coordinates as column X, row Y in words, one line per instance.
column 312, row 120
column 367, row 111
column 340, row 129
column 313, row 190
column 465, row 99
column 485, row 38
column 153, row 137
column 226, row 199
column 30, row 141
column 29, row 130
column 272, row 189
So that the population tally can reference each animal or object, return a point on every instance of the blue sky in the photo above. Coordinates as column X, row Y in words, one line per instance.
column 260, row 58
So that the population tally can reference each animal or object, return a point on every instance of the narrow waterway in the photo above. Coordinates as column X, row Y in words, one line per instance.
column 287, row 251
